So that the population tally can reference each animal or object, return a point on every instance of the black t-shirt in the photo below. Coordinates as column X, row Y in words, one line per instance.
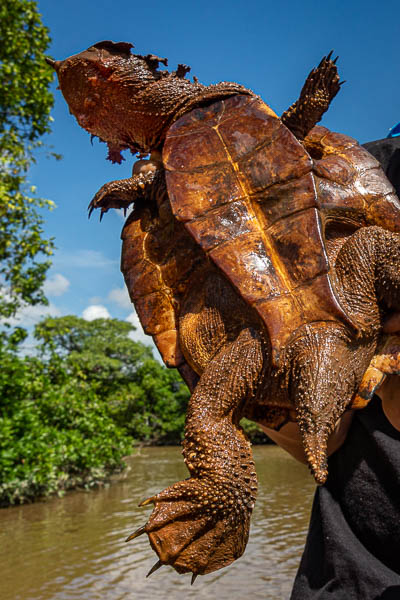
column 353, row 545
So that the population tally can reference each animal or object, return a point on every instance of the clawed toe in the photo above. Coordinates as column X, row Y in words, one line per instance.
column 154, row 568
column 151, row 500
column 136, row 533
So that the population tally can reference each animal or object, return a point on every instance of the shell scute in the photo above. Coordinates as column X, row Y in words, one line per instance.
column 299, row 244
column 179, row 265
column 369, row 184
column 360, row 158
column 385, row 212
column 168, row 346
column 246, row 127
column 210, row 230
column 276, row 161
column 316, row 135
column 194, row 194
column 249, row 267
column 156, row 312
column 336, row 203
column 142, row 278
column 133, row 239
column 332, row 142
column 313, row 301
column 284, row 199
column 196, row 151
column 335, row 168
column 209, row 116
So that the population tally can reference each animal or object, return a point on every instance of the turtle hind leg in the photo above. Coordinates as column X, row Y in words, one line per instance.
column 202, row 523
column 319, row 89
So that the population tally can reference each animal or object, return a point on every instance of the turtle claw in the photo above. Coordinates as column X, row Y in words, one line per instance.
column 151, row 500
column 154, row 568
column 194, row 576
column 136, row 533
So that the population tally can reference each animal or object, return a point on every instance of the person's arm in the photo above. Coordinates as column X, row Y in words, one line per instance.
column 289, row 437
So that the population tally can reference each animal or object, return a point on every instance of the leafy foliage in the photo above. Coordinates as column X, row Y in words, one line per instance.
column 146, row 399
column 52, row 437
column 25, row 104
column 69, row 414
column 152, row 407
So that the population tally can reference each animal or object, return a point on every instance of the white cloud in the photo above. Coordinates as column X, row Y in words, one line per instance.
column 121, row 297
column 83, row 259
column 30, row 315
column 56, row 285
column 95, row 311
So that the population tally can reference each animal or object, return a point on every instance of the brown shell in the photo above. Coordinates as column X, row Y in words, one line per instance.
column 157, row 261
column 263, row 206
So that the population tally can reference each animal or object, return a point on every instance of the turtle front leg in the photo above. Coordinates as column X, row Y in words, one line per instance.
column 201, row 524
column 121, row 193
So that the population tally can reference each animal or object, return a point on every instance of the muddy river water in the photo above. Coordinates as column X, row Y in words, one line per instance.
column 73, row 547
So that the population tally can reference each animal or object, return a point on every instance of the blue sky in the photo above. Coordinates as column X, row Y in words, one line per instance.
column 267, row 46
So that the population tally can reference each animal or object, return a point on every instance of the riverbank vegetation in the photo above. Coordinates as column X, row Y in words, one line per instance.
column 71, row 412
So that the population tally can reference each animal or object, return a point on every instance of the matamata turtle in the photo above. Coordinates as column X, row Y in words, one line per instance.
column 262, row 255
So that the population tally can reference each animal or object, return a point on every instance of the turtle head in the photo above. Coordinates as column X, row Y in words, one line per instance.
column 125, row 100
column 111, row 92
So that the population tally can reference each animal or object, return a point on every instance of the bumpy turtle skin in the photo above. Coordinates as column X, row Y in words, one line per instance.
column 321, row 86
column 202, row 523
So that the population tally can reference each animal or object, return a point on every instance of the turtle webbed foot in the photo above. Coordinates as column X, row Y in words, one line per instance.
column 195, row 528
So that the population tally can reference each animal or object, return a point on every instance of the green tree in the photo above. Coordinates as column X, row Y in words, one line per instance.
column 144, row 398
column 25, row 103
column 56, row 432
column 98, row 351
